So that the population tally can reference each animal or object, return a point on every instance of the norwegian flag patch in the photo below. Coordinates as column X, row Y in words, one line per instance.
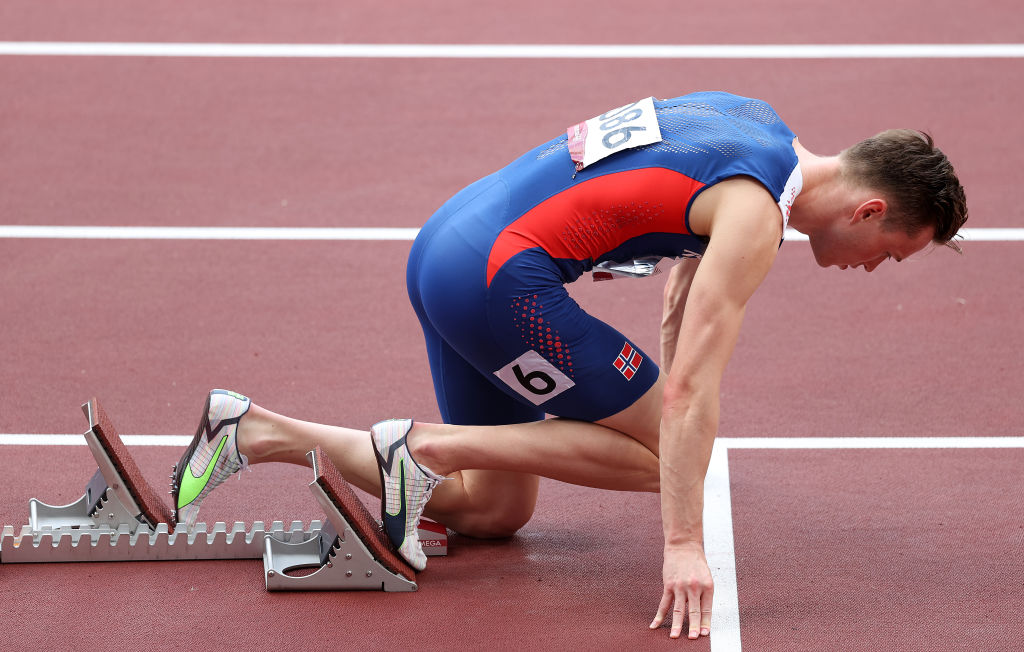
column 628, row 361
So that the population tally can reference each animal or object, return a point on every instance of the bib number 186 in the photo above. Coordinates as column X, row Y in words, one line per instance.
column 623, row 128
column 614, row 120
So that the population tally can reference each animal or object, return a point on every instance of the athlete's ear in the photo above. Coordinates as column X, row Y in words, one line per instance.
column 872, row 209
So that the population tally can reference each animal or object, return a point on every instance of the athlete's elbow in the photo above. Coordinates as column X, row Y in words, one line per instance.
column 679, row 394
column 688, row 397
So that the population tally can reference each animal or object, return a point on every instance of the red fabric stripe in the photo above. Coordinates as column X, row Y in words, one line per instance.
column 596, row 216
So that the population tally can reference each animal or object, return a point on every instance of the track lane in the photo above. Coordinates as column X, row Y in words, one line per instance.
column 530, row 21
column 287, row 143
column 323, row 330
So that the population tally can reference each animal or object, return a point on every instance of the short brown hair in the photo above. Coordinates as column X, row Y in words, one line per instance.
column 916, row 178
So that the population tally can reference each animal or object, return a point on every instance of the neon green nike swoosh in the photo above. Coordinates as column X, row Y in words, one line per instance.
column 192, row 486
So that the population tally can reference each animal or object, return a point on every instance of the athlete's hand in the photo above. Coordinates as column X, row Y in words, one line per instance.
column 688, row 590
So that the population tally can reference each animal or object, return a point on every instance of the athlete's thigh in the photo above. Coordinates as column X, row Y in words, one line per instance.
column 564, row 360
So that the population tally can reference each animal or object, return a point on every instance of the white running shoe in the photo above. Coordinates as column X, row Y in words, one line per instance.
column 405, row 488
column 213, row 455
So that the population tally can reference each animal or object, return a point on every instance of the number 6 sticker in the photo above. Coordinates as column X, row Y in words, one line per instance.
column 534, row 378
column 626, row 127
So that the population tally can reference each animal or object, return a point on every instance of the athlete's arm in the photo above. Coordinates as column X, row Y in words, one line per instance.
column 745, row 227
column 677, row 288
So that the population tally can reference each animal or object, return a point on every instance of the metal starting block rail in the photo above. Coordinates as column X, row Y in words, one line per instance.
column 121, row 518
column 120, row 543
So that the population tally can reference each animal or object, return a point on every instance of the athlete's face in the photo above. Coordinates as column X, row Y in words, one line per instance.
column 861, row 241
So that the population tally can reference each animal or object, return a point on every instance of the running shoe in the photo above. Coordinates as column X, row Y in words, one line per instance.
column 405, row 488
column 212, row 457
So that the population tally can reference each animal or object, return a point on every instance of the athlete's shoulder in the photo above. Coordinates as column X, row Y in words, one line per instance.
column 745, row 117
column 720, row 100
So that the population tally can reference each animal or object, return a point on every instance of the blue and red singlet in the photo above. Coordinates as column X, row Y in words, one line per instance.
column 486, row 274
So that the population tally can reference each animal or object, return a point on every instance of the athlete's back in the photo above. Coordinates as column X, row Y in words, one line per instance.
column 635, row 202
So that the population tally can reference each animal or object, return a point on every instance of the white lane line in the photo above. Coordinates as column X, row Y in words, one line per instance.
column 720, row 550
column 969, row 234
column 12, row 231
column 846, row 443
column 747, row 443
column 204, row 233
column 517, row 51
column 79, row 440
column 992, row 235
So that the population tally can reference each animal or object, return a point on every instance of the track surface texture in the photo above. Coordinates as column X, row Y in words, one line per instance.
column 834, row 548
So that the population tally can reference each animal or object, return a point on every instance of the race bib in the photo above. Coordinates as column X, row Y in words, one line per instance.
column 626, row 127
column 534, row 378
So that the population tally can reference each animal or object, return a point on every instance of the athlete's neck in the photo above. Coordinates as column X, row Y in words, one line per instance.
column 822, row 191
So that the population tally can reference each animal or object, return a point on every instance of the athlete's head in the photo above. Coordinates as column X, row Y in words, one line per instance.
column 915, row 178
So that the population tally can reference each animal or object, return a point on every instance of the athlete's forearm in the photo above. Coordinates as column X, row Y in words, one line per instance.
column 670, row 321
column 677, row 288
column 689, row 425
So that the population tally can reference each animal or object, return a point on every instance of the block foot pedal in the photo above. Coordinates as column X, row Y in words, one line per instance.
column 117, row 495
column 351, row 552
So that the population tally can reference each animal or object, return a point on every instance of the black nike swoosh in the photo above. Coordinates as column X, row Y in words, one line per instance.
column 394, row 524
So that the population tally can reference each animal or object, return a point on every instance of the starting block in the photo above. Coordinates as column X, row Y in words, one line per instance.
column 352, row 551
column 121, row 518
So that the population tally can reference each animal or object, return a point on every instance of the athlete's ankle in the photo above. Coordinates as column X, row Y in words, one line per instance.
column 254, row 436
column 426, row 446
